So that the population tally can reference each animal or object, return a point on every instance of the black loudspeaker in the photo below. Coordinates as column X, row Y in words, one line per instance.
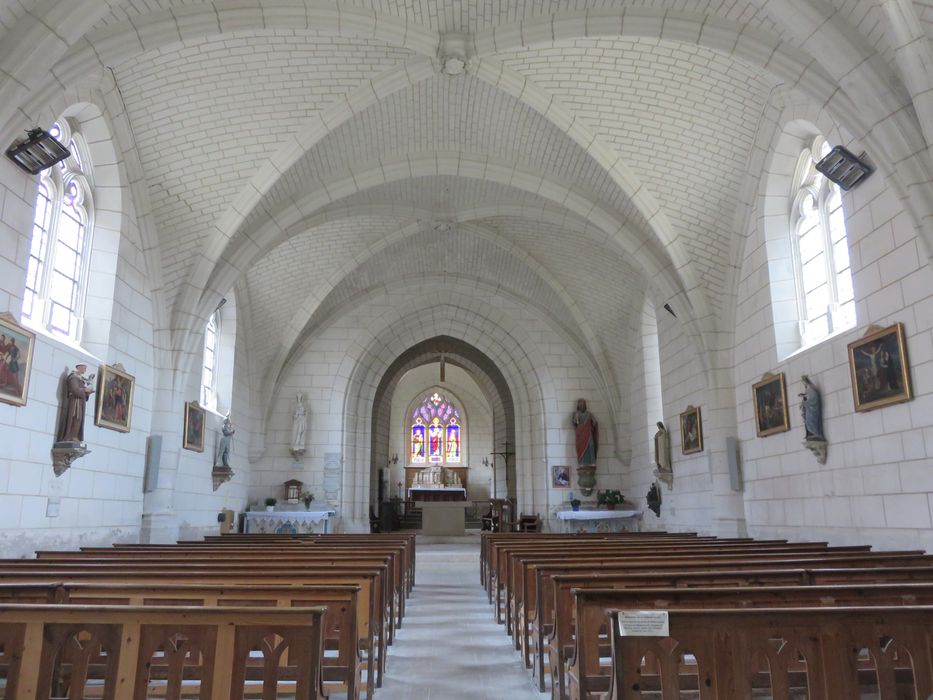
column 735, row 472
column 153, row 458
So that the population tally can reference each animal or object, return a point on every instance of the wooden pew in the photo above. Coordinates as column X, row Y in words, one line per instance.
column 740, row 653
column 50, row 648
column 364, row 575
column 522, row 585
column 593, row 607
column 555, row 626
column 343, row 626
column 279, row 556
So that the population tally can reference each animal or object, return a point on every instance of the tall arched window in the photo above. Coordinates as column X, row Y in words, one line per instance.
column 825, row 298
column 209, row 365
column 436, row 432
column 56, row 271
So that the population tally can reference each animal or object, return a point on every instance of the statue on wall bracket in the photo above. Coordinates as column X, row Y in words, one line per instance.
column 662, row 456
column 76, row 389
column 299, row 427
column 586, row 438
column 222, row 472
column 811, row 408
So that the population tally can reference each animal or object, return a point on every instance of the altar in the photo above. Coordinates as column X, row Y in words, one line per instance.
column 436, row 494
column 599, row 520
column 281, row 522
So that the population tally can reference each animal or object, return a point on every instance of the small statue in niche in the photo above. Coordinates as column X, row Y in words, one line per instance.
column 654, row 499
column 662, row 456
column 811, row 409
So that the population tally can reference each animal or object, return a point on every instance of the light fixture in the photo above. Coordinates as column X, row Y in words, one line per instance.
column 844, row 168
column 37, row 151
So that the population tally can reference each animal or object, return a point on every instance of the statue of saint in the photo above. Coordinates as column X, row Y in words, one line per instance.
column 299, row 424
column 77, row 391
column 587, row 434
column 662, row 449
column 223, row 451
column 811, row 408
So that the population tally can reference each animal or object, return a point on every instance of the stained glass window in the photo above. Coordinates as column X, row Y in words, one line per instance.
column 436, row 432
column 825, row 297
column 56, row 269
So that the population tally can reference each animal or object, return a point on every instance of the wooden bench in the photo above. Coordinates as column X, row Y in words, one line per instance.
column 344, row 628
column 587, row 678
column 554, row 630
column 846, row 652
column 128, row 652
column 367, row 577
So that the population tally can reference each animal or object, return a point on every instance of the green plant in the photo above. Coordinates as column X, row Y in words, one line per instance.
column 574, row 503
column 306, row 498
column 271, row 502
column 609, row 497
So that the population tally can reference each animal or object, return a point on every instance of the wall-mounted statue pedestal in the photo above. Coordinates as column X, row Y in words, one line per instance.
column 64, row 453
column 221, row 475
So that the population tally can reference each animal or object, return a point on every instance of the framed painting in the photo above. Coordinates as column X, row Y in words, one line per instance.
column 193, row 436
column 770, row 398
column 16, row 347
column 560, row 476
column 691, row 431
column 879, row 369
column 114, row 398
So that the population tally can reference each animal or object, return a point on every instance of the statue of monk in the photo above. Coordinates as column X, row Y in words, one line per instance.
column 77, row 391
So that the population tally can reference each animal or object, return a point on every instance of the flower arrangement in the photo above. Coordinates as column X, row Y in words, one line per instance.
column 609, row 498
column 306, row 497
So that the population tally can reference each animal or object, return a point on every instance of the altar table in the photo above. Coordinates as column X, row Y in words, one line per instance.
column 599, row 520
column 429, row 495
column 282, row 522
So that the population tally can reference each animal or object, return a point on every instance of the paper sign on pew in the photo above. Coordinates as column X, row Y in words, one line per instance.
column 644, row 623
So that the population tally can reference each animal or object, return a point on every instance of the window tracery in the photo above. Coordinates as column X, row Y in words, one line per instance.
column 823, row 276
column 57, row 265
column 436, row 432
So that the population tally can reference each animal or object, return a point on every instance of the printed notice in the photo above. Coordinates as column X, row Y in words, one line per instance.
column 644, row 623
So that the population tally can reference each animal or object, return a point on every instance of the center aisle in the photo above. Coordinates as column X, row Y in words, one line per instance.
column 449, row 645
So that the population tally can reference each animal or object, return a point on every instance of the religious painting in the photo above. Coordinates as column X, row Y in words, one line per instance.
column 417, row 442
column 770, row 398
column 16, row 348
column 691, row 431
column 560, row 476
column 193, row 437
column 114, row 399
column 879, row 368
column 453, row 441
column 435, row 442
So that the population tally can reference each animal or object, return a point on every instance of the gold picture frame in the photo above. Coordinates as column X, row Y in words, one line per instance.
column 770, row 400
column 17, row 345
column 115, row 389
column 691, row 431
column 879, row 368
column 193, row 436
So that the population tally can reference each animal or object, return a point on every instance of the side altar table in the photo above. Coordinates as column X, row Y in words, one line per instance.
column 599, row 520
column 282, row 522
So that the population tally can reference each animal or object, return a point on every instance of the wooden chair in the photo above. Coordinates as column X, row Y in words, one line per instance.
column 528, row 523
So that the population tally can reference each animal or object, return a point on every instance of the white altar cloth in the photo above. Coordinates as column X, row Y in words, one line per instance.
column 598, row 520
column 597, row 514
column 299, row 522
column 459, row 489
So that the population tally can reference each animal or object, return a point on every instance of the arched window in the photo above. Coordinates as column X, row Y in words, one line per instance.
column 825, row 298
column 209, row 365
column 436, row 432
column 56, row 270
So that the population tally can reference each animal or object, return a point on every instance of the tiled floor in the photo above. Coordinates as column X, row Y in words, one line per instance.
column 450, row 646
